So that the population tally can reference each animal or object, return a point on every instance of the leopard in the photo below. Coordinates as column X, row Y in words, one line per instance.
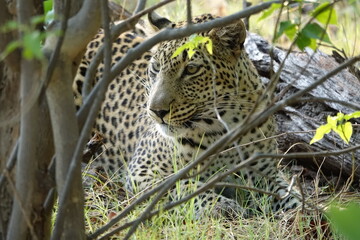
column 163, row 111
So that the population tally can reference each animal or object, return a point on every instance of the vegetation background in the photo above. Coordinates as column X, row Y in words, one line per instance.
column 37, row 214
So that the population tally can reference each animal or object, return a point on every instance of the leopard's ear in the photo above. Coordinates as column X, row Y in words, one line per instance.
column 158, row 22
column 231, row 37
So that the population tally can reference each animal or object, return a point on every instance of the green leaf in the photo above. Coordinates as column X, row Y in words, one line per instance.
column 315, row 31
column 303, row 41
column 32, row 45
column 288, row 27
column 346, row 220
column 48, row 5
column 325, row 14
column 344, row 131
column 320, row 132
column 10, row 26
column 37, row 19
column 191, row 52
column 209, row 47
column 269, row 11
column 193, row 43
column 352, row 115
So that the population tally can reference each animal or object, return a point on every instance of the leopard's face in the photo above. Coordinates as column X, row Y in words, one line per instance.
column 201, row 93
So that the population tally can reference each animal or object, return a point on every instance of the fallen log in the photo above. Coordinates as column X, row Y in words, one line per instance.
column 298, row 122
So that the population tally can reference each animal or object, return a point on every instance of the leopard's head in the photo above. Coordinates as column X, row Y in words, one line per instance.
column 203, row 92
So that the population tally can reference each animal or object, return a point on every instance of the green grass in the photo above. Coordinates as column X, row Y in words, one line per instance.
column 105, row 199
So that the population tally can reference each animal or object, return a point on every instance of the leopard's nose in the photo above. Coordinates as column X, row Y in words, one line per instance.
column 160, row 113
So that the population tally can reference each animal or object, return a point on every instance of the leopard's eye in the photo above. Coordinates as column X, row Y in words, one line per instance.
column 191, row 69
column 155, row 67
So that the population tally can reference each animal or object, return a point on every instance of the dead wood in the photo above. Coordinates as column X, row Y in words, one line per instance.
column 300, row 70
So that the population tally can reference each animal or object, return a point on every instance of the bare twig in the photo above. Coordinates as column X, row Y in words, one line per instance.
column 323, row 99
column 188, row 12
column 140, row 6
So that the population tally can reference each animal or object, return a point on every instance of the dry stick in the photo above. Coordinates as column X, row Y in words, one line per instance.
column 215, row 180
column 115, row 32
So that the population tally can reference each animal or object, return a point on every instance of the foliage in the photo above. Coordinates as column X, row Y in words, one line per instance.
column 308, row 35
column 346, row 220
column 48, row 11
column 338, row 124
column 32, row 37
column 194, row 42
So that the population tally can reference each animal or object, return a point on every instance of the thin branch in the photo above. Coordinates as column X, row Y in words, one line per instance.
column 188, row 12
column 140, row 6
column 324, row 99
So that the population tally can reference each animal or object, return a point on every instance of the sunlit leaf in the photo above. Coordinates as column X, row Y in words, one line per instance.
column 352, row 115
column 339, row 125
column 48, row 5
column 193, row 43
column 325, row 14
column 191, row 53
column 320, row 132
column 209, row 47
column 179, row 50
column 332, row 121
column 344, row 131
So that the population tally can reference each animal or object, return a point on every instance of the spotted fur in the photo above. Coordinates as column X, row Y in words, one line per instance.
column 161, row 112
